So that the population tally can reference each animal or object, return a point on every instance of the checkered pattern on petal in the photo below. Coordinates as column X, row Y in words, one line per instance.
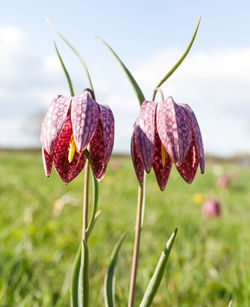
column 161, row 172
column 145, row 134
column 84, row 117
column 189, row 165
column 107, row 124
column 197, row 136
column 138, row 166
column 174, row 129
column 97, row 153
column 47, row 162
column 67, row 171
column 53, row 121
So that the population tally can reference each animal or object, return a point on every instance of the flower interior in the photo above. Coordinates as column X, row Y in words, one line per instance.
column 72, row 149
column 163, row 155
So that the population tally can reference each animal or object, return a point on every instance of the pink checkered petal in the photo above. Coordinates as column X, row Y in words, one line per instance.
column 161, row 173
column 189, row 165
column 67, row 171
column 145, row 134
column 47, row 162
column 197, row 136
column 84, row 117
column 107, row 124
column 174, row 129
column 53, row 121
column 97, row 153
column 102, row 173
column 138, row 166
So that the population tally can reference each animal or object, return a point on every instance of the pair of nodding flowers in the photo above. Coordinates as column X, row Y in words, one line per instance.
column 164, row 133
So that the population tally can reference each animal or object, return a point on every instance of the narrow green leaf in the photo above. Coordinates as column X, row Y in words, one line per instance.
column 158, row 273
column 94, row 208
column 75, row 280
column 66, row 72
column 131, row 79
column 182, row 58
column 109, row 281
column 74, row 50
column 83, row 293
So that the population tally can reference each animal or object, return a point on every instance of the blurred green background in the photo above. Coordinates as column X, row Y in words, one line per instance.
column 40, row 229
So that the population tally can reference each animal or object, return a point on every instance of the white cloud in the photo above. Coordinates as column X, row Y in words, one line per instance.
column 11, row 38
column 216, row 85
column 51, row 65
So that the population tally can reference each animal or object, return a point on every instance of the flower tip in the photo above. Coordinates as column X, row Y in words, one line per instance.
column 162, row 188
column 170, row 99
column 147, row 169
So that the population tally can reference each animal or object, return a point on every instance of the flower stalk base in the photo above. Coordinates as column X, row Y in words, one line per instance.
column 138, row 229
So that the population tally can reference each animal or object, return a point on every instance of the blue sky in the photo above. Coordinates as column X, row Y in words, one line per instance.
column 149, row 36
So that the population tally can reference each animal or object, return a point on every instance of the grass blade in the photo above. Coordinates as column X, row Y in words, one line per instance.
column 74, row 50
column 158, row 273
column 83, row 293
column 66, row 72
column 75, row 280
column 109, row 281
column 131, row 79
column 182, row 58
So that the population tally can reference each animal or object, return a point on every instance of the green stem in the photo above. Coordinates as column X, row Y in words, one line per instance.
column 138, row 228
column 83, row 294
column 94, row 214
column 131, row 79
column 75, row 280
column 74, row 50
column 182, row 58
column 85, row 202
column 65, row 72
column 156, row 90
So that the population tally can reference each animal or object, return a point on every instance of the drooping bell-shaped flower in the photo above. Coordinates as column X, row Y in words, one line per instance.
column 163, row 134
column 69, row 127
column 211, row 208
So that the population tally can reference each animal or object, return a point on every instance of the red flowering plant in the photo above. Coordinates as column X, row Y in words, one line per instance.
column 164, row 133
column 69, row 127
column 78, row 132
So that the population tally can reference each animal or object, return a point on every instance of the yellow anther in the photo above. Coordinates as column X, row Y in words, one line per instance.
column 164, row 155
column 72, row 149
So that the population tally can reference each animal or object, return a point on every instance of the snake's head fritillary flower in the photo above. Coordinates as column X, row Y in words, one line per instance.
column 223, row 181
column 70, row 126
column 211, row 208
column 163, row 134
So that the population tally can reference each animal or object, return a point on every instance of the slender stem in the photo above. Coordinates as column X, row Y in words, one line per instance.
column 85, row 202
column 138, row 228
column 158, row 89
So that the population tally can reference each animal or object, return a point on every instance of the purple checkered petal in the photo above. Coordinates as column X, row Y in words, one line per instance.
column 161, row 172
column 188, row 167
column 174, row 129
column 197, row 136
column 47, row 162
column 107, row 124
column 67, row 171
column 84, row 117
column 53, row 122
column 97, row 152
column 138, row 166
column 145, row 134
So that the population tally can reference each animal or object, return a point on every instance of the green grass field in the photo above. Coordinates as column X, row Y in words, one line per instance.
column 40, row 230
